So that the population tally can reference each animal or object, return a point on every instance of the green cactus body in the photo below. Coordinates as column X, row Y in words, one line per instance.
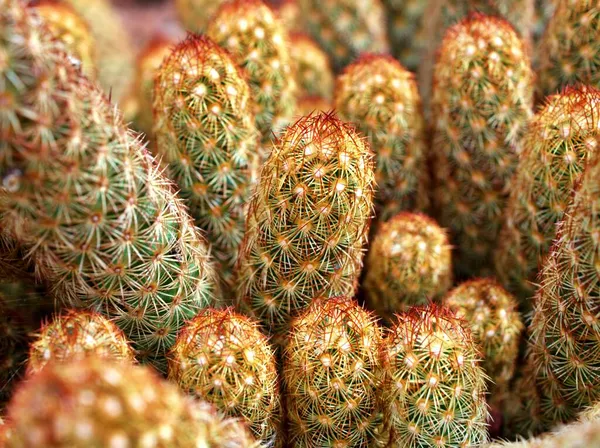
column 204, row 129
column 314, row 76
column 95, row 403
column 77, row 334
column 196, row 14
column 409, row 263
column 569, row 48
column 405, row 30
column 308, row 221
column 491, row 312
column 577, row 435
column 434, row 388
column 259, row 44
column 558, row 141
column 481, row 102
column 223, row 358
column 346, row 28
column 565, row 329
column 331, row 374
column 103, row 225
column 381, row 98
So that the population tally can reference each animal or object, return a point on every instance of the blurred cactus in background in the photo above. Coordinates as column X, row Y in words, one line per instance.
column 314, row 76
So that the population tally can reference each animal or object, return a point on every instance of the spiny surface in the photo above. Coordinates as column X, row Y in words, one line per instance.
column 204, row 129
column 409, row 263
column 308, row 221
column 103, row 225
column 481, row 103
column 314, row 76
column 331, row 374
column 434, row 388
column 381, row 98
column 222, row 357
column 559, row 140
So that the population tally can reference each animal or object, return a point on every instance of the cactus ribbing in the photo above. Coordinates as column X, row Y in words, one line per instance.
column 481, row 102
column 204, row 129
column 196, row 14
column 491, row 313
column 381, row 98
column 409, row 263
column 434, row 388
column 222, row 357
column 346, row 28
column 308, row 221
column 331, row 374
column 77, row 334
column 259, row 44
column 569, row 48
column 558, row 141
column 104, row 225
column 314, row 76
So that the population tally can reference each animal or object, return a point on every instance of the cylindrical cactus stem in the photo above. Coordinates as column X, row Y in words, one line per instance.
column 409, row 263
column 95, row 402
column 381, row 98
column 331, row 374
column 491, row 313
column 559, row 140
column 433, row 391
column 311, row 105
column 104, row 226
column 308, row 221
column 314, row 76
column 259, row 44
column 68, row 26
column 569, row 47
column 405, row 30
column 481, row 103
column 76, row 334
column 564, row 328
column 196, row 14
column 204, row 129
column 223, row 358
column 346, row 28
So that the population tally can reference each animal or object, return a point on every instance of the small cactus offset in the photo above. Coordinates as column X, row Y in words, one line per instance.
column 222, row 357
column 204, row 129
column 569, row 47
column 308, row 221
column 558, row 142
column 434, row 388
column 378, row 95
column 482, row 100
column 491, row 313
column 72, row 30
column 103, row 225
column 259, row 44
column 405, row 30
column 94, row 402
column 409, row 263
column 314, row 76
column 346, row 28
column 331, row 374
column 75, row 334
column 196, row 14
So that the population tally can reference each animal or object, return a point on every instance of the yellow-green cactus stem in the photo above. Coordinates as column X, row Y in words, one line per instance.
column 314, row 76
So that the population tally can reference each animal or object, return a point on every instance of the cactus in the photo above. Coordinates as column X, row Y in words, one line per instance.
column 72, row 29
column 481, row 102
column 584, row 434
column 312, row 104
column 103, row 225
column 77, row 334
column 409, row 263
column 590, row 413
column 381, row 98
column 308, row 221
column 314, row 76
column 564, row 328
column 288, row 12
column 93, row 403
column 223, row 358
column 558, row 141
column 257, row 41
column 491, row 312
column 205, row 131
column 331, row 374
column 433, row 388
column 405, row 30
column 196, row 14
column 346, row 28
column 569, row 47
